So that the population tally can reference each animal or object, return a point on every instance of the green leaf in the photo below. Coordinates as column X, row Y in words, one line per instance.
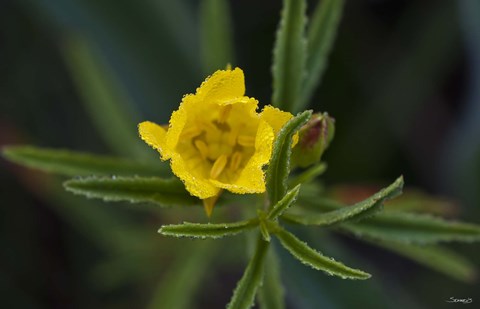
column 71, row 163
column 321, row 35
column 350, row 213
column 165, row 192
column 107, row 105
column 264, row 230
column 413, row 228
column 287, row 201
column 244, row 294
column 207, row 230
column 397, row 226
column 107, row 228
column 435, row 257
column 189, row 270
column 279, row 167
column 289, row 56
column 309, row 174
column 314, row 259
column 271, row 294
column 217, row 36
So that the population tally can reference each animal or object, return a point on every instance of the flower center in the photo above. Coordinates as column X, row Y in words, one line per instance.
column 219, row 145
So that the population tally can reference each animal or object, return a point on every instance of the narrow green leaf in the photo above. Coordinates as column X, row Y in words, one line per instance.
column 271, row 295
column 314, row 259
column 279, row 167
column 435, row 257
column 190, row 267
column 107, row 105
column 309, row 174
column 264, row 230
column 397, row 226
column 289, row 56
column 244, row 294
column 355, row 212
column 217, row 36
column 287, row 201
column 207, row 230
column 413, row 228
column 321, row 35
column 165, row 192
column 71, row 163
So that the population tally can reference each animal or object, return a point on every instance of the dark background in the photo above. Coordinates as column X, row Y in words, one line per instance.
column 402, row 83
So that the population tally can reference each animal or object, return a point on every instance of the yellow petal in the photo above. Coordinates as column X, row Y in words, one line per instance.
column 277, row 119
column 153, row 135
column 197, row 186
column 177, row 123
column 223, row 85
column 252, row 178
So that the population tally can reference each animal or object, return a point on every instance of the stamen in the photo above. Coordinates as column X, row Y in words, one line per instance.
column 218, row 166
column 246, row 140
column 202, row 148
column 224, row 113
column 235, row 161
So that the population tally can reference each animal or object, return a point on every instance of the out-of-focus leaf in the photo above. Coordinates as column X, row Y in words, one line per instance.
column 408, row 73
column 289, row 56
column 271, row 294
column 108, row 228
column 437, row 258
column 72, row 163
column 244, row 294
column 413, row 228
column 321, row 34
column 314, row 259
column 140, row 41
column 355, row 212
column 309, row 174
column 279, row 166
column 104, row 100
column 217, row 42
column 418, row 201
column 177, row 288
column 164, row 192
column 207, row 230
column 284, row 203
column 460, row 154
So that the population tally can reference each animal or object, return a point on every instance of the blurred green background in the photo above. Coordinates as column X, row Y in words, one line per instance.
column 402, row 83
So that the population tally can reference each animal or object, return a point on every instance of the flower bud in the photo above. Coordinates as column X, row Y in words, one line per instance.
column 314, row 138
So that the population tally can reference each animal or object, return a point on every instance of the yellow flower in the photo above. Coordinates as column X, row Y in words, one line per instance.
column 216, row 140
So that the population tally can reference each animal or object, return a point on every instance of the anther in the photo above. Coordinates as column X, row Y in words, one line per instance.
column 202, row 148
column 218, row 166
column 235, row 161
